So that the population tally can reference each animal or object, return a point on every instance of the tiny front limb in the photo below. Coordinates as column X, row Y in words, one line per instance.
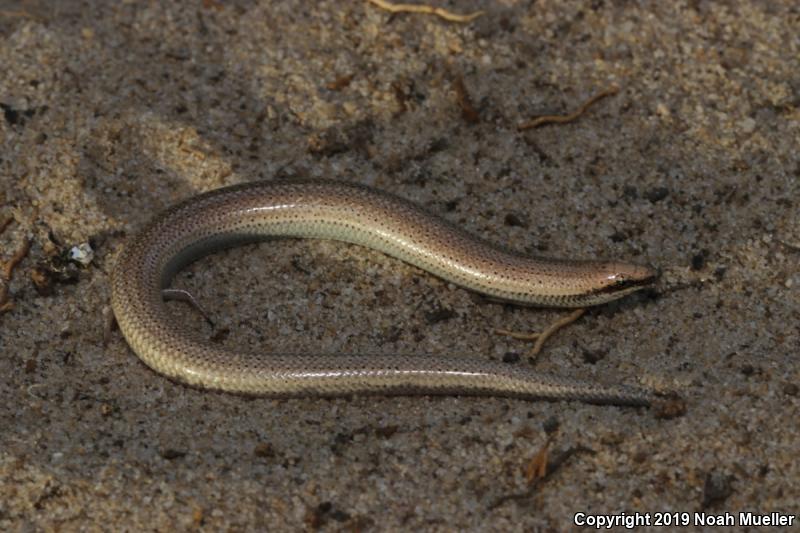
column 180, row 295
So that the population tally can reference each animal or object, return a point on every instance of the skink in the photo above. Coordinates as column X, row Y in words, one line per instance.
column 375, row 219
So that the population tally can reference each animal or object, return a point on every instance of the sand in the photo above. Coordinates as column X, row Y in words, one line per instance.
column 112, row 111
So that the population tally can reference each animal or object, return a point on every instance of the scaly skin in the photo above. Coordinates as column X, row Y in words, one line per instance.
column 365, row 216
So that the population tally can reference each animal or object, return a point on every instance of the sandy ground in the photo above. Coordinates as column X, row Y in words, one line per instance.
column 112, row 111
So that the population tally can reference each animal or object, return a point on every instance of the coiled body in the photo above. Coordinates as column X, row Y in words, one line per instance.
column 365, row 216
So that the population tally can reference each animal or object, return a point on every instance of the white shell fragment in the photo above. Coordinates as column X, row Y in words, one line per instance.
column 82, row 253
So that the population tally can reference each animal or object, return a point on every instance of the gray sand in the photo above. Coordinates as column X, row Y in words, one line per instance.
column 113, row 111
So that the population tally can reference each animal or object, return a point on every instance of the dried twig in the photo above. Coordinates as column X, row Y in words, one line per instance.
column 789, row 246
column 5, row 303
column 401, row 97
column 468, row 111
column 7, row 270
column 5, row 222
column 9, row 266
column 561, row 119
column 213, row 4
column 553, row 464
column 414, row 8
column 341, row 82
column 537, row 467
column 18, row 14
column 542, row 337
